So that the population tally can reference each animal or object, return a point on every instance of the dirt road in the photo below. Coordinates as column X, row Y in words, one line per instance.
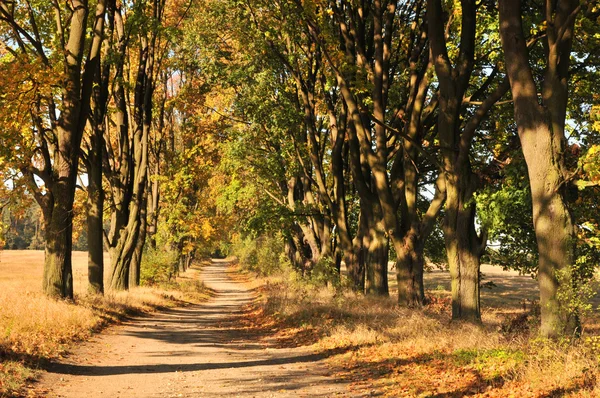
column 193, row 351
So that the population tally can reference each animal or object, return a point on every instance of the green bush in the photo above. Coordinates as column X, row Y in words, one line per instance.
column 158, row 266
column 263, row 255
column 325, row 273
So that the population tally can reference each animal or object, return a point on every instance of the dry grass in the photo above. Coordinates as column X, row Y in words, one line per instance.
column 34, row 328
column 421, row 353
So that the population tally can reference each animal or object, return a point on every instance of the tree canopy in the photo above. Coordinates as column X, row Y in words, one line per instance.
column 357, row 132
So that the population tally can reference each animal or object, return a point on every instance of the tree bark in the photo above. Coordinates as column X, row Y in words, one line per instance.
column 59, row 174
column 58, row 269
column 464, row 246
column 135, row 267
column 376, row 250
column 95, row 158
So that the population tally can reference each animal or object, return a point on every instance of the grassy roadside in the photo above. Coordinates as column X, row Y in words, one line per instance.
column 35, row 329
column 400, row 352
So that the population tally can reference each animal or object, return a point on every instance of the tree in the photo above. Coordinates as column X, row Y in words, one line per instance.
column 456, row 131
column 540, row 117
column 385, row 136
column 127, row 166
column 58, row 129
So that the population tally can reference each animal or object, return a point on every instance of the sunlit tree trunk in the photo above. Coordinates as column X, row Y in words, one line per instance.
column 126, row 239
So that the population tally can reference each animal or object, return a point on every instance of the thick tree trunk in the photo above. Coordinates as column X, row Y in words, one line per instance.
column 293, row 249
column 120, row 261
column 58, row 270
column 126, row 238
column 556, row 245
column 122, row 252
column 356, row 257
column 376, row 249
column 409, row 271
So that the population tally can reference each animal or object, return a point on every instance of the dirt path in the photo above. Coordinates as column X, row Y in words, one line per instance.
column 194, row 351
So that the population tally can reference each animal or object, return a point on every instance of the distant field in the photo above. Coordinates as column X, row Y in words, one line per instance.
column 509, row 289
column 22, row 270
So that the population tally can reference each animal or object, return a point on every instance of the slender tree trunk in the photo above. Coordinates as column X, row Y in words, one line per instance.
column 154, row 207
column 94, row 218
column 136, row 260
column 94, row 161
column 464, row 246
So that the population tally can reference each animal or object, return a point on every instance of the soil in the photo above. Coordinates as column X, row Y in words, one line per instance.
column 192, row 351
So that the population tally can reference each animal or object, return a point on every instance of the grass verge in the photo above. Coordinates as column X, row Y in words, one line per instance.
column 400, row 352
column 35, row 329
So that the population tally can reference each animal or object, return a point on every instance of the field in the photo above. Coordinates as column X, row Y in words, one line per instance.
column 34, row 329
column 21, row 271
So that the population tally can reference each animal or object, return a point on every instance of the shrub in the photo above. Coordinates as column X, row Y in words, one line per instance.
column 158, row 266
column 263, row 255
column 325, row 273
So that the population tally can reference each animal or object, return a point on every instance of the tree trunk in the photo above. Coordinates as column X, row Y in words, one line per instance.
column 293, row 249
column 409, row 271
column 463, row 247
column 376, row 246
column 355, row 258
column 94, row 218
column 59, row 168
column 135, row 267
column 58, row 270
column 154, row 196
column 126, row 239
